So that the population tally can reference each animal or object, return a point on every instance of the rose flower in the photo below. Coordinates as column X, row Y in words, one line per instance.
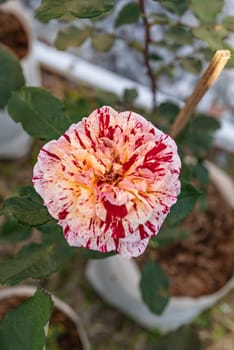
column 110, row 181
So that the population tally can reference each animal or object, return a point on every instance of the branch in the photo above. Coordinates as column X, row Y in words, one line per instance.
column 146, row 52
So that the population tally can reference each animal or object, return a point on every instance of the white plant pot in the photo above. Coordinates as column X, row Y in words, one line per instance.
column 117, row 279
column 28, row 291
column 14, row 141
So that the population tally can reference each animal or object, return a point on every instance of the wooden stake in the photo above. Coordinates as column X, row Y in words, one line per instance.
column 211, row 74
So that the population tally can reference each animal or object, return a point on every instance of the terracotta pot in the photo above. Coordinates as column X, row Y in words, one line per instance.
column 14, row 141
column 116, row 279
column 28, row 291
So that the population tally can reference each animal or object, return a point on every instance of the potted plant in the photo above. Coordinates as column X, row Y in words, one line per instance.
column 119, row 281
column 16, row 35
column 64, row 330
column 84, row 192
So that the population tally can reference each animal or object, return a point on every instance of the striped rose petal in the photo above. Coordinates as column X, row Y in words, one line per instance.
column 110, row 181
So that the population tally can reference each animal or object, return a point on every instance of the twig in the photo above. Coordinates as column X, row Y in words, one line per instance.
column 147, row 52
column 211, row 74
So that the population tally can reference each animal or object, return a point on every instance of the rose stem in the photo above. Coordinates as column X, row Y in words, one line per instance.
column 212, row 72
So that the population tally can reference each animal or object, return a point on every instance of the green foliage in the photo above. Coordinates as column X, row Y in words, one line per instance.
column 213, row 37
column 168, row 111
column 37, row 260
column 200, row 172
column 41, row 114
column 129, row 96
column 23, row 327
column 27, row 208
column 207, row 11
column 183, row 339
column 202, row 128
column 102, row 41
column 184, row 205
column 154, row 287
column 228, row 23
column 33, row 261
column 168, row 235
column 175, row 6
column 72, row 36
column 50, row 9
column 2, row 1
column 191, row 64
column 160, row 18
column 195, row 171
column 11, row 75
column 179, row 35
column 52, row 233
column 93, row 254
column 130, row 13
column 13, row 231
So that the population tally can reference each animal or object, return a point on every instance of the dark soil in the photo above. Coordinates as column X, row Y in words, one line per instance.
column 202, row 263
column 67, row 337
column 13, row 34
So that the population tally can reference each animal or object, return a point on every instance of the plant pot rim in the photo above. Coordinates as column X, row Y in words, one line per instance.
column 20, row 12
column 28, row 291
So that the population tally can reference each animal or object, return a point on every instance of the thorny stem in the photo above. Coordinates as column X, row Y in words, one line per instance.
column 146, row 52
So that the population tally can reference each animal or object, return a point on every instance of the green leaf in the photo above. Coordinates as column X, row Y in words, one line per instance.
column 130, row 13
column 205, row 123
column 78, row 107
column 191, row 64
column 175, row 6
column 213, row 37
column 130, row 95
column 154, row 287
column 36, row 261
column 230, row 63
column 11, row 75
column 186, row 171
column 201, row 128
column 203, row 202
column 94, row 254
column 53, row 233
column 207, row 11
column 2, row 1
column 71, row 36
column 159, row 18
column 197, row 149
column 195, row 171
column 13, row 231
column 185, row 203
column 41, row 114
column 155, row 57
column 29, row 192
column 168, row 110
column 23, row 327
column 228, row 23
column 33, row 261
column 27, row 208
column 183, row 339
column 207, row 53
column 168, row 235
column 179, row 35
column 50, row 9
column 102, row 42
column 136, row 45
